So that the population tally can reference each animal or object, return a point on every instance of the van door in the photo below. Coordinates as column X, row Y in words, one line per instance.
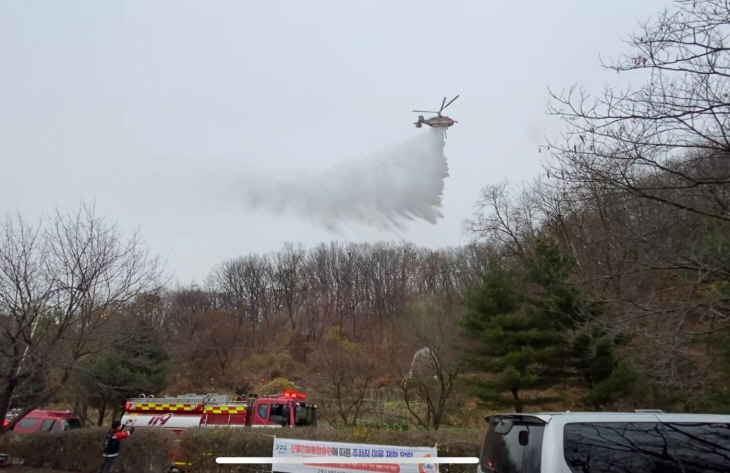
column 512, row 445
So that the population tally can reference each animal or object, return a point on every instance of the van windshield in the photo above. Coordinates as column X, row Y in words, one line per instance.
column 629, row 447
column 506, row 450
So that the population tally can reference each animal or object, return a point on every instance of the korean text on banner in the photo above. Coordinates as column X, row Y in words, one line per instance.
column 351, row 457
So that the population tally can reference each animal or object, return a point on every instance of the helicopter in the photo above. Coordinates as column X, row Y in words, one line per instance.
column 439, row 121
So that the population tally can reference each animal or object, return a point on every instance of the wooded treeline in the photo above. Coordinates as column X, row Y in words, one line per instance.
column 267, row 308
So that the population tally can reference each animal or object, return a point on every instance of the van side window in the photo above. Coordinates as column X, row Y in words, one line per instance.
column 48, row 425
column 630, row 447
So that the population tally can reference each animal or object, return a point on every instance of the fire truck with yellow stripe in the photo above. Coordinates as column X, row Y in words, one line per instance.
column 178, row 413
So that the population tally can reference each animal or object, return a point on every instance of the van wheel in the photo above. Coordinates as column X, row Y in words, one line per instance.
column 175, row 469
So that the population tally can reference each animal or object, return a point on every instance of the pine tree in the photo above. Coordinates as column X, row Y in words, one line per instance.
column 589, row 351
column 136, row 363
column 534, row 330
column 515, row 345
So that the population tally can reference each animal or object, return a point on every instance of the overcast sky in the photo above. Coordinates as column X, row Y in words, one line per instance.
column 142, row 106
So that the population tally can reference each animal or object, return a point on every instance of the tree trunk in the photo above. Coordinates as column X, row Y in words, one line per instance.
column 7, row 393
column 517, row 401
column 102, row 411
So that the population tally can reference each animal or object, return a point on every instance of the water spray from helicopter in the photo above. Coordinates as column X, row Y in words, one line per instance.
column 387, row 190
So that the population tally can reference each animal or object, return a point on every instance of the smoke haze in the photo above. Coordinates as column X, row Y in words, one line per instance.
column 384, row 191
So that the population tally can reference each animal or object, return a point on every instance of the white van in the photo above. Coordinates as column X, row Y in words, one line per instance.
column 598, row 442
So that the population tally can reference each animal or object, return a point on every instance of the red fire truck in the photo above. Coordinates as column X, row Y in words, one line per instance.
column 189, row 411
column 288, row 409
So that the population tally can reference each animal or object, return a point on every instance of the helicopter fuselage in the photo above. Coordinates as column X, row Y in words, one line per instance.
column 438, row 122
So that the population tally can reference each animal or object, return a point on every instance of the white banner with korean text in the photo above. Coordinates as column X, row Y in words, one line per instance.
column 351, row 457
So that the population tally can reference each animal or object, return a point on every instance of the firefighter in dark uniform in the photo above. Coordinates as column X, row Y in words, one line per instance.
column 111, row 444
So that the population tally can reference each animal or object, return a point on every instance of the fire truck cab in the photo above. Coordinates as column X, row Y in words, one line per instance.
column 178, row 413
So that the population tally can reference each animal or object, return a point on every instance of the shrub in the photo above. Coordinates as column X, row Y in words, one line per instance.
column 275, row 386
column 200, row 447
column 147, row 450
column 80, row 450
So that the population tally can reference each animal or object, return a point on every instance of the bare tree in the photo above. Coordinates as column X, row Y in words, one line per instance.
column 505, row 218
column 26, row 299
column 319, row 301
column 344, row 373
column 290, row 281
column 335, row 274
column 431, row 377
column 203, row 337
column 247, row 286
column 59, row 289
column 385, row 271
column 674, row 126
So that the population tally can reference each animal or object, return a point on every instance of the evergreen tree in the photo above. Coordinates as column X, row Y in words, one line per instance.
column 533, row 330
column 135, row 364
column 515, row 347
column 716, row 344
column 589, row 352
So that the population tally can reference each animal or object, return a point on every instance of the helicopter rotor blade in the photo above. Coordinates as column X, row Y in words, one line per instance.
column 452, row 101
column 424, row 111
column 442, row 104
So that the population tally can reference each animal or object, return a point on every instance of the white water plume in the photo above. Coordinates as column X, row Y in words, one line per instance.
column 386, row 190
